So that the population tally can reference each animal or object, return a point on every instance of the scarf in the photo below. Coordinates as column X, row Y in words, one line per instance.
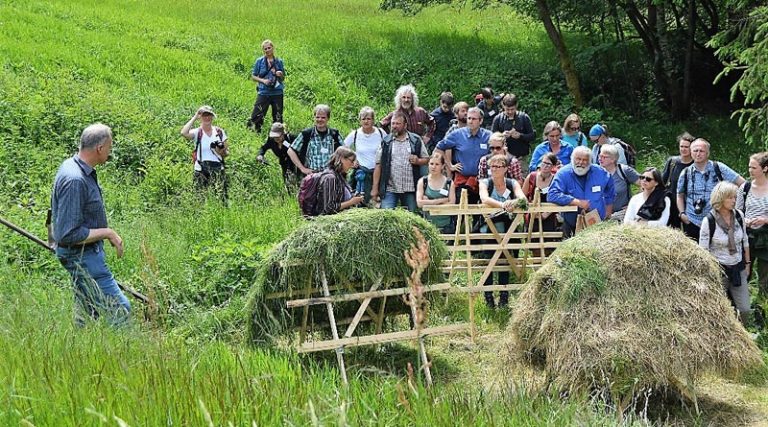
column 654, row 205
column 727, row 228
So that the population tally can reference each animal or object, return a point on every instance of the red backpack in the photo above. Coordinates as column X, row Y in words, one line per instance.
column 308, row 194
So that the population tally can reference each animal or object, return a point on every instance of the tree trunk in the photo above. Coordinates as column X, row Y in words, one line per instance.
column 566, row 63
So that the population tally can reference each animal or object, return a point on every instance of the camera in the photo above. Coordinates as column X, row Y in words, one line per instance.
column 217, row 145
column 698, row 206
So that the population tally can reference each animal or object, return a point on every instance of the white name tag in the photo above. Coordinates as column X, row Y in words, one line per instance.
column 286, row 144
column 544, row 190
column 444, row 191
column 484, row 146
column 596, row 189
column 506, row 194
column 323, row 150
column 490, row 113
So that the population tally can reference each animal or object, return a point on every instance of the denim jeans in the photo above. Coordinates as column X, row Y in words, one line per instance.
column 96, row 291
column 390, row 200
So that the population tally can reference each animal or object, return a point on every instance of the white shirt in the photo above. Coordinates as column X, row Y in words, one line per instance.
column 205, row 153
column 634, row 205
column 366, row 145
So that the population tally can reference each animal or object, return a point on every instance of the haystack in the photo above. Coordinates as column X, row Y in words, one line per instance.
column 624, row 310
column 354, row 249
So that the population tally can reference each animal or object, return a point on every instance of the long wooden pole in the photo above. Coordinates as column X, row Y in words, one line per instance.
column 134, row 293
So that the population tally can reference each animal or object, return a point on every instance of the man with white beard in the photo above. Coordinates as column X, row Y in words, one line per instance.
column 584, row 185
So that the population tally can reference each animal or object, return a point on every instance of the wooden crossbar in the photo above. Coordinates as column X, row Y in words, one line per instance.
column 513, row 235
column 360, row 296
column 445, row 210
column 309, row 347
column 509, row 246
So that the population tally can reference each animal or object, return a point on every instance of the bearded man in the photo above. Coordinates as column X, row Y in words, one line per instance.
column 584, row 185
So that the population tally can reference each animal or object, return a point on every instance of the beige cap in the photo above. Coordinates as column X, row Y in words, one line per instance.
column 206, row 109
column 276, row 130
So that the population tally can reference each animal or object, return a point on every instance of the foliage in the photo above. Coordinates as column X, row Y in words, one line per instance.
column 744, row 47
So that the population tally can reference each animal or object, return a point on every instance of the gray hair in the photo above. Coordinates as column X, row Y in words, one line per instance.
column 95, row 135
column 322, row 108
column 366, row 111
column 610, row 150
column 581, row 150
column 702, row 141
column 553, row 125
column 406, row 89
column 477, row 111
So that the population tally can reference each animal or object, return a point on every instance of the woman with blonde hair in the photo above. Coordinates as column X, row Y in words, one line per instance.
column 752, row 199
column 724, row 234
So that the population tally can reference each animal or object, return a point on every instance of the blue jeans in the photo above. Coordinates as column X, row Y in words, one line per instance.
column 96, row 290
column 390, row 200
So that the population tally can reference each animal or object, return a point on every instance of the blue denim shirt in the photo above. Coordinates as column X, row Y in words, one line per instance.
column 76, row 202
column 564, row 155
column 260, row 69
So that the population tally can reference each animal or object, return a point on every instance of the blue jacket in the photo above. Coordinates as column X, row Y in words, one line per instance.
column 442, row 123
column 261, row 69
column 596, row 186
column 564, row 155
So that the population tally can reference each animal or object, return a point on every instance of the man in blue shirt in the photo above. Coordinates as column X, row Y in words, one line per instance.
column 584, row 185
column 695, row 184
column 469, row 145
column 80, row 226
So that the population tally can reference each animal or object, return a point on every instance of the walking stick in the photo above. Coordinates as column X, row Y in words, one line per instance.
column 133, row 292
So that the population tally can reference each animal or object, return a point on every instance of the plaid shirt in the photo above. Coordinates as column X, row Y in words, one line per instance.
column 76, row 202
column 514, row 170
column 319, row 150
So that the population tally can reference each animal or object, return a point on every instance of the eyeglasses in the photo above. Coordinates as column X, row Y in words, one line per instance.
column 646, row 178
column 494, row 147
column 497, row 166
column 575, row 127
column 546, row 164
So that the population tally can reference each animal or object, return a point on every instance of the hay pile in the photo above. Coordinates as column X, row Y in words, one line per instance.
column 354, row 248
column 622, row 310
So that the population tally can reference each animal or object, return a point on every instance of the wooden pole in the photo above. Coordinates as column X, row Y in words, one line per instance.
column 334, row 331
column 467, row 232
column 422, row 349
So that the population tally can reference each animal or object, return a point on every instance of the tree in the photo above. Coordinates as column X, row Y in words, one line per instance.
column 543, row 11
column 744, row 48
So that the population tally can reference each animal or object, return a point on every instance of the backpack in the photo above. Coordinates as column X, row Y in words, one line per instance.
column 308, row 194
column 199, row 138
column 306, row 135
column 629, row 151
column 747, row 187
column 620, row 167
column 718, row 176
column 711, row 222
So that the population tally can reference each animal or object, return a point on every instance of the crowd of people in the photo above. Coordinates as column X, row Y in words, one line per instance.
column 412, row 158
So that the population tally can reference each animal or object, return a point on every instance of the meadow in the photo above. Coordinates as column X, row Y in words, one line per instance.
column 143, row 67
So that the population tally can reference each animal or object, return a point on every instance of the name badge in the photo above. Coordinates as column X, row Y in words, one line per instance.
column 544, row 190
column 444, row 191
column 595, row 188
column 286, row 144
column 323, row 150
column 484, row 146
column 492, row 112
column 506, row 194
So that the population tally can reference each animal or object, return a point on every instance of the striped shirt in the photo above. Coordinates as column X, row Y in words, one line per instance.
column 755, row 206
column 76, row 202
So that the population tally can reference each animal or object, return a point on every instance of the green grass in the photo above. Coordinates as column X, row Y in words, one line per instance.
column 143, row 67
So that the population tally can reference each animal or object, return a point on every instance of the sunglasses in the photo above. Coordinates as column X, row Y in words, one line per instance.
column 646, row 178
column 497, row 167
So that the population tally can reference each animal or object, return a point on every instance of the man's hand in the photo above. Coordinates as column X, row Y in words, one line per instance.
column 583, row 204
column 412, row 159
column 375, row 194
column 306, row 171
column 117, row 242
column 279, row 74
column 456, row 168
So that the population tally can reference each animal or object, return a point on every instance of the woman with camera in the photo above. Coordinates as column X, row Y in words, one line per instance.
column 724, row 234
column 211, row 147
column 269, row 73
column 753, row 200
column 651, row 206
